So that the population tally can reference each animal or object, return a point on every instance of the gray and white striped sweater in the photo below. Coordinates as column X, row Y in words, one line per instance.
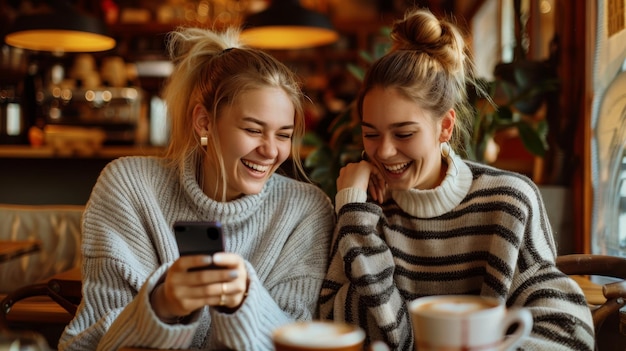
column 483, row 231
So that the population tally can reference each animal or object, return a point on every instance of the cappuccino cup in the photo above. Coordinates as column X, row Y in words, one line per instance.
column 467, row 323
column 318, row 336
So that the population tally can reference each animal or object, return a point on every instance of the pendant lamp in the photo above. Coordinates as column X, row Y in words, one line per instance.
column 61, row 29
column 285, row 24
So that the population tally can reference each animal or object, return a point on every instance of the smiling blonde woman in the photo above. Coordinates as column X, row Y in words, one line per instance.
column 236, row 116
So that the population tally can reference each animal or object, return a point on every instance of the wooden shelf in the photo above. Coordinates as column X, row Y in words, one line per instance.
column 106, row 152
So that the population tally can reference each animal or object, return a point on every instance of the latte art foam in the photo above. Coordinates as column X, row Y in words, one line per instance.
column 457, row 307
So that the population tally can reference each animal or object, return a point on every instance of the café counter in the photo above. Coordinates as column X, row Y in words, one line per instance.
column 49, row 176
column 44, row 175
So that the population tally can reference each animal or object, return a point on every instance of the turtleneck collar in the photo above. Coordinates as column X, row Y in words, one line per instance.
column 442, row 199
column 226, row 212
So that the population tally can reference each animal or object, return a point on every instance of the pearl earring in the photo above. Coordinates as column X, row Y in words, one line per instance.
column 445, row 149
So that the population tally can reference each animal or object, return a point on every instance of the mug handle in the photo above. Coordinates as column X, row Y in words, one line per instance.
column 524, row 320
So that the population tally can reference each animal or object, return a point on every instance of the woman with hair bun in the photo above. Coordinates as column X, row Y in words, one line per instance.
column 236, row 116
column 433, row 223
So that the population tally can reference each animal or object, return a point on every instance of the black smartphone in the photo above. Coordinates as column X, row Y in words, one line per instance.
column 199, row 238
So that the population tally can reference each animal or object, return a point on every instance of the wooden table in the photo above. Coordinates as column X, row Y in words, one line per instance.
column 592, row 291
column 10, row 249
column 143, row 349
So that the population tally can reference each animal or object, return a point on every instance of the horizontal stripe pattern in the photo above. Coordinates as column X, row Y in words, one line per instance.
column 494, row 241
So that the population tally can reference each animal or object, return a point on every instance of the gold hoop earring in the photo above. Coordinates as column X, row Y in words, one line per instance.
column 204, row 140
column 364, row 156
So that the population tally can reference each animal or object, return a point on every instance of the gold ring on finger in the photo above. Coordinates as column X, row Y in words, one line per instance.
column 222, row 302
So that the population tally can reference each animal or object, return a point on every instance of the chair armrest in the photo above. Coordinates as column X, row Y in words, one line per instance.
column 64, row 289
column 614, row 290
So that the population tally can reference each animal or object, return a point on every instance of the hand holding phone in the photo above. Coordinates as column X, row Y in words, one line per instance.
column 199, row 238
column 225, row 286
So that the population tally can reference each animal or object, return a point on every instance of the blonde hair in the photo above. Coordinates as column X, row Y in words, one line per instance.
column 429, row 64
column 212, row 69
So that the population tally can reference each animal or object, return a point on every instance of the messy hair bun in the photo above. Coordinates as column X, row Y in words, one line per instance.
column 429, row 64
column 189, row 43
column 422, row 32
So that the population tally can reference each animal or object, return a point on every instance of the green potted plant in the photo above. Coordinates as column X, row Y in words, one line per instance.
column 499, row 112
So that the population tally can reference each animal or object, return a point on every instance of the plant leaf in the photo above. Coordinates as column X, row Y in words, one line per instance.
column 366, row 56
column 319, row 174
column 356, row 71
column 504, row 115
column 531, row 139
column 312, row 139
column 320, row 156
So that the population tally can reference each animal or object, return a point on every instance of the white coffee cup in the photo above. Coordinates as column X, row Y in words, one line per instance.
column 318, row 336
column 466, row 322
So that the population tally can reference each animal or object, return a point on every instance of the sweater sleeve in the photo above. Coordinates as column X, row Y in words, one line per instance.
column 289, row 292
column 349, row 195
column 562, row 318
column 122, row 264
column 359, row 287
column 250, row 327
column 137, row 324
column 115, row 313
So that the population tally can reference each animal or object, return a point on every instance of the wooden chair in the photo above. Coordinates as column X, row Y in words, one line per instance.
column 605, row 299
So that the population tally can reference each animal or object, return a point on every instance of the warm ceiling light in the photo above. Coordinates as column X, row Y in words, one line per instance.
column 63, row 29
column 287, row 25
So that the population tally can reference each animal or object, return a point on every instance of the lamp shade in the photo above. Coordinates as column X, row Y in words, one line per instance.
column 285, row 24
column 63, row 29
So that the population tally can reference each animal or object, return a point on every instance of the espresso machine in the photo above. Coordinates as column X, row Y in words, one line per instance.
column 89, row 97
